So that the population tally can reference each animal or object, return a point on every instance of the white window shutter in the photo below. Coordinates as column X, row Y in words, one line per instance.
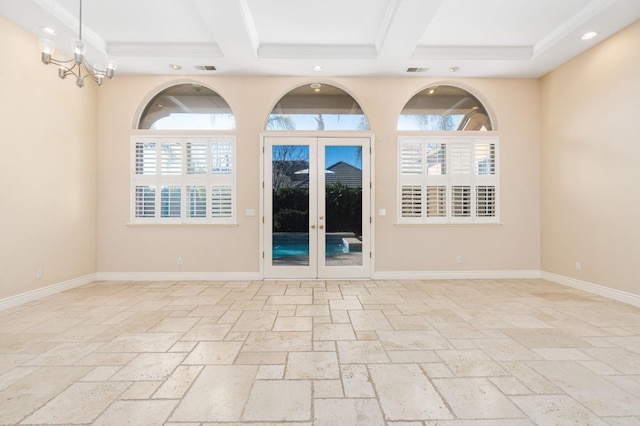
column 436, row 158
column 460, row 158
column 436, row 201
column 485, row 201
column 171, row 158
column 448, row 180
column 485, row 161
column 145, row 201
column 197, row 158
column 197, row 201
column 146, row 158
column 183, row 180
column 221, row 201
column 411, row 156
column 221, row 158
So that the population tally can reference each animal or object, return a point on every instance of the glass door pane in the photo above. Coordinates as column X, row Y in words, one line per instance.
column 316, row 207
column 290, row 244
column 342, row 220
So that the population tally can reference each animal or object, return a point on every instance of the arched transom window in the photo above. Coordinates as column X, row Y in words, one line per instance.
column 317, row 107
column 187, row 107
column 444, row 108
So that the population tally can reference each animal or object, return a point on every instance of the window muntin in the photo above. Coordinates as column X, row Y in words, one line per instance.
column 195, row 182
column 317, row 107
column 448, row 180
column 187, row 107
column 444, row 108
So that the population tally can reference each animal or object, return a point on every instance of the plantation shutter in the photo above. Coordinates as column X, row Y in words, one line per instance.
column 448, row 180
column 183, row 180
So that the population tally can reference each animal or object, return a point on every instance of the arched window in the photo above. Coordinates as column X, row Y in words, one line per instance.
column 447, row 178
column 187, row 107
column 317, row 107
column 444, row 108
column 188, row 178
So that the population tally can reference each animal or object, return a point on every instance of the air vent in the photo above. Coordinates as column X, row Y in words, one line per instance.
column 414, row 69
column 205, row 67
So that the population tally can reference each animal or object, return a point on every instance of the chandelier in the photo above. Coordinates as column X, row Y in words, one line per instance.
column 78, row 66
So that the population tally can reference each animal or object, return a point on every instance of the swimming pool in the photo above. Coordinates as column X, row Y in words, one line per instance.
column 295, row 244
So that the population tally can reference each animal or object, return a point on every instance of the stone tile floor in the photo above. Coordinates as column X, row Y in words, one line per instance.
column 472, row 352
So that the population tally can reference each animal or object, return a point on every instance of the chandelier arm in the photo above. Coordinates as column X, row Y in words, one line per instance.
column 59, row 62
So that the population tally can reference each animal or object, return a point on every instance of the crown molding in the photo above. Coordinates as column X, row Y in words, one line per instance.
column 387, row 21
column 591, row 10
column 249, row 25
column 471, row 53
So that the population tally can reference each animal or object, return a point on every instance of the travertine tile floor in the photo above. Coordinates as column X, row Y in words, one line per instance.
column 478, row 352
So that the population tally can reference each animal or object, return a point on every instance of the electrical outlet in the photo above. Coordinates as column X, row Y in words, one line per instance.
column 179, row 260
column 459, row 259
column 578, row 266
column 38, row 273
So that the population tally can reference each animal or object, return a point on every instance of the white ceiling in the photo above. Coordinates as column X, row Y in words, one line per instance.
column 482, row 38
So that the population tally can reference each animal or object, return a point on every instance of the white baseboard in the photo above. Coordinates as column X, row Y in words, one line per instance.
column 22, row 298
column 600, row 290
column 178, row 276
column 622, row 296
column 455, row 275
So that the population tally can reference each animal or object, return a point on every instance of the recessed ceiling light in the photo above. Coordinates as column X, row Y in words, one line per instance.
column 454, row 69
column 589, row 35
column 49, row 30
column 317, row 68
column 175, row 67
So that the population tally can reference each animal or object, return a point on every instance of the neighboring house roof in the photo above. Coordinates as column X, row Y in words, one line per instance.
column 348, row 175
column 296, row 173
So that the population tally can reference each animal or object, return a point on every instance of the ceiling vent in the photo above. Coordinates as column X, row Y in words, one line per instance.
column 415, row 69
column 205, row 67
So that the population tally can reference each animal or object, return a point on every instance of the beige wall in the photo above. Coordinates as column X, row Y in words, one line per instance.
column 47, row 170
column 513, row 245
column 590, row 165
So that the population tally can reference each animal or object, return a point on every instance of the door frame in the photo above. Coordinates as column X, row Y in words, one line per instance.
column 318, row 135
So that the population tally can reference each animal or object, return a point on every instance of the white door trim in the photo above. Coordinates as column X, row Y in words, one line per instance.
column 368, row 222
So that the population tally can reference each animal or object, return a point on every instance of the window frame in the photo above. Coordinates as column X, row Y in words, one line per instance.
column 184, row 180
column 418, row 180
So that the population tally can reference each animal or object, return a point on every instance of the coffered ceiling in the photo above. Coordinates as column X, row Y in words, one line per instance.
column 462, row 38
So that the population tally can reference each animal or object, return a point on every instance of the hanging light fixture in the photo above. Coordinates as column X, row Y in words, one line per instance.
column 78, row 66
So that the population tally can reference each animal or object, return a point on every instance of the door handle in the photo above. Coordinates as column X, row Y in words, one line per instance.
column 321, row 227
column 313, row 227
column 321, row 217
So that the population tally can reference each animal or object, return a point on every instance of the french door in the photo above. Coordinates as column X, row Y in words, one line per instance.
column 316, row 207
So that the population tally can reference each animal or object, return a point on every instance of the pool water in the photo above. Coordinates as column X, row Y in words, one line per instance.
column 288, row 246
